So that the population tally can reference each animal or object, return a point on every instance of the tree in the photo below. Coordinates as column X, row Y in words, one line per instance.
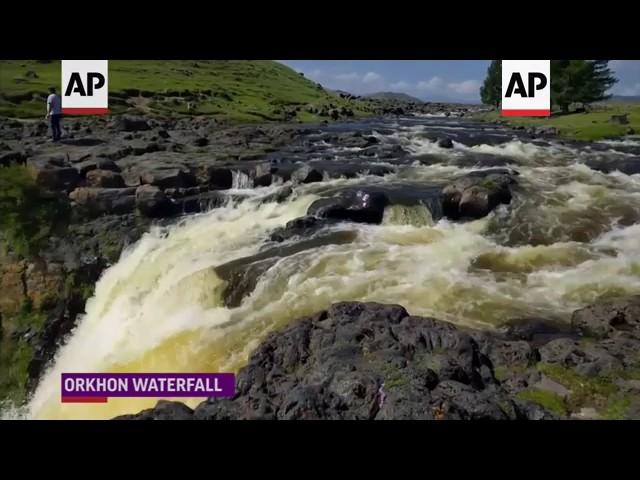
column 491, row 90
column 579, row 81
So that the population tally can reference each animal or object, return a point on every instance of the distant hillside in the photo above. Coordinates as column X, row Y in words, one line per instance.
column 237, row 90
column 394, row 96
column 625, row 99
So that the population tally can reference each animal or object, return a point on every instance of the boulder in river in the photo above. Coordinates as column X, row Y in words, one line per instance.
column 476, row 194
column 354, row 205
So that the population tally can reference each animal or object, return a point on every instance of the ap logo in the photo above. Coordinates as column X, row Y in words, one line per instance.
column 526, row 88
column 85, row 87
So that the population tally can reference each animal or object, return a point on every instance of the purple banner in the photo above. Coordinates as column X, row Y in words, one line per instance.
column 87, row 385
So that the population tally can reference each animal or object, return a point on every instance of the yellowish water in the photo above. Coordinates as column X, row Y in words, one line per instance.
column 159, row 309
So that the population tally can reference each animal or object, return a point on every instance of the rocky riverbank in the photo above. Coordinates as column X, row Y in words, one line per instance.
column 370, row 361
column 120, row 175
column 125, row 176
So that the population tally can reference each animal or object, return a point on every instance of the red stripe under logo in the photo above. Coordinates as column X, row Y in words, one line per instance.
column 526, row 113
column 84, row 399
column 85, row 111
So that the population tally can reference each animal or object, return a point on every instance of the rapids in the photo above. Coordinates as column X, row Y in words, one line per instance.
column 570, row 236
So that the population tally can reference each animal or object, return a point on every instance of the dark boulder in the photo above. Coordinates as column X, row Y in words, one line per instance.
column 306, row 174
column 153, row 203
column 128, row 123
column 367, row 361
column 445, row 143
column 54, row 173
column 96, row 201
column 164, row 410
column 104, row 179
column 628, row 166
column 476, row 194
column 166, row 176
column 603, row 319
column 300, row 227
column 353, row 205
column 86, row 166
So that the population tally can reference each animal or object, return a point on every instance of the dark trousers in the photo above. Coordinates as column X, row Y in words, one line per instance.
column 55, row 127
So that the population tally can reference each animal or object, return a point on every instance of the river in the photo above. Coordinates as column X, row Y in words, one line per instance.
column 570, row 235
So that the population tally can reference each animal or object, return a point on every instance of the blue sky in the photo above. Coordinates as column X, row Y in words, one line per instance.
column 434, row 80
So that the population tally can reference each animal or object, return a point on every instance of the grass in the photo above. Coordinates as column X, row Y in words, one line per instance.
column 236, row 90
column 16, row 354
column 28, row 214
column 593, row 125
column 599, row 392
column 548, row 400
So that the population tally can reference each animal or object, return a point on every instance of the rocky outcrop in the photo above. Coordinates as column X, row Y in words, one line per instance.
column 372, row 361
column 97, row 201
column 605, row 319
column 104, row 179
column 353, row 205
column 153, row 203
column 129, row 123
column 475, row 195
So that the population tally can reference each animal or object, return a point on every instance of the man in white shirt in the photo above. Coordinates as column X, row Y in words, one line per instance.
column 54, row 113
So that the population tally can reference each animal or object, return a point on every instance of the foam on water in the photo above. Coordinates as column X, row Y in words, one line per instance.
column 569, row 237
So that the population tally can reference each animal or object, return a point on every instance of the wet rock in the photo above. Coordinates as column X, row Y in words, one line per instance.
column 536, row 330
column 306, row 174
column 153, row 203
column 164, row 410
column 104, row 179
column 354, row 205
column 299, row 227
column 476, row 194
column 629, row 166
column 602, row 319
column 445, row 143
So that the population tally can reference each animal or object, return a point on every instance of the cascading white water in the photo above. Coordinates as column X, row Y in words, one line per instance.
column 160, row 307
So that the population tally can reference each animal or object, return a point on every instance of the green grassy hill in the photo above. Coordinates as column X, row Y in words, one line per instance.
column 593, row 125
column 237, row 90
column 394, row 96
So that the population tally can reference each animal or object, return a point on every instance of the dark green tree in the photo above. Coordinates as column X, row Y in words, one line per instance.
column 579, row 81
column 491, row 90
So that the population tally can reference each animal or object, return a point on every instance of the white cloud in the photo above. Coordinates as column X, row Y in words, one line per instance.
column 467, row 87
column 371, row 77
column 401, row 85
column 347, row 76
column 434, row 84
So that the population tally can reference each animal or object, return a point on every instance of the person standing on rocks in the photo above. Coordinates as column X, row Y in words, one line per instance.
column 54, row 113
